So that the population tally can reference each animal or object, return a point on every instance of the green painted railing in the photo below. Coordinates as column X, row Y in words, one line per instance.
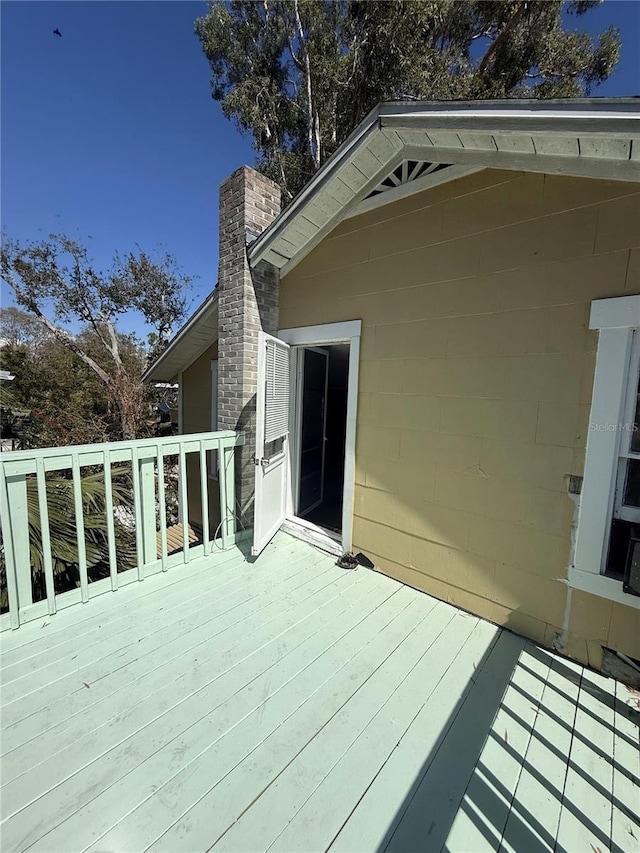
column 154, row 471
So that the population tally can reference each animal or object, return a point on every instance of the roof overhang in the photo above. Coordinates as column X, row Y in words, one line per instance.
column 436, row 142
column 194, row 338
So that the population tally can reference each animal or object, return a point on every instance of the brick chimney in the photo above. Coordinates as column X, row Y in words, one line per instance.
column 247, row 304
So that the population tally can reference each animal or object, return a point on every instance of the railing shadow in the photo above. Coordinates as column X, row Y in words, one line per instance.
column 465, row 795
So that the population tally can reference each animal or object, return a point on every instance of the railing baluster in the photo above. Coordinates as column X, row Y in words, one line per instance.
column 17, row 499
column 222, row 480
column 146, row 466
column 43, row 506
column 111, row 532
column 23, row 480
column 227, row 492
column 82, row 548
column 137, row 511
column 204, row 493
column 184, row 502
column 230, row 485
column 162, row 508
column 9, row 556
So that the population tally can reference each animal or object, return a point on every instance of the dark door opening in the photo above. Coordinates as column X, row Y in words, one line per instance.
column 324, row 374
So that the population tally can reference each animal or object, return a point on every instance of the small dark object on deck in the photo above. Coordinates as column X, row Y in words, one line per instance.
column 347, row 561
column 364, row 560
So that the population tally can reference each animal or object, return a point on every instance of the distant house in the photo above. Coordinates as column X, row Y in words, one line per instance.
column 441, row 338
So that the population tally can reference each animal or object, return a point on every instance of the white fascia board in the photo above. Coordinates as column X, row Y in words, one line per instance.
column 162, row 369
column 593, row 108
column 584, row 117
column 584, row 124
column 260, row 246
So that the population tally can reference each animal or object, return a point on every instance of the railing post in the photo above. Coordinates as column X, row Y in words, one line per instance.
column 19, row 523
column 227, row 492
column 184, row 502
column 80, row 537
column 162, row 506
column 45, row 533
column 111, row 532
column 204, row 499
column 11, row 565
column 137, row 510
column 146, row 472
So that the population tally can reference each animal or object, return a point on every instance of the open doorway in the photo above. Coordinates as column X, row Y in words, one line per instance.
column 322, row 390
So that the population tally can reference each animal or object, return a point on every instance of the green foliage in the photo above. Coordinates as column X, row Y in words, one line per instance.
column 18, row 328
column 63, row 532
column 56, row 283
column 57, row 399
column 62, row 522
column 298, row 75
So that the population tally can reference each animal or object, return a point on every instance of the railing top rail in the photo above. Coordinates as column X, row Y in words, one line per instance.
column 90, row 454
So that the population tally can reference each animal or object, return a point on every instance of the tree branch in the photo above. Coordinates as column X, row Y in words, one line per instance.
column 312, row 126
column 521, row 8
column 63, row 336
column 115, row 347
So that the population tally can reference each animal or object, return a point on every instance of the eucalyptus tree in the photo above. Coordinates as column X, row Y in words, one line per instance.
column 298, row 75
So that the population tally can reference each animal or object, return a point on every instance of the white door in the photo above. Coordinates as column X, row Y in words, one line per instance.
column 313, row 383
column 272, row 429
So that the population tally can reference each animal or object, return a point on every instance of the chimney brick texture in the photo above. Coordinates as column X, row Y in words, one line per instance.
column 247, row 304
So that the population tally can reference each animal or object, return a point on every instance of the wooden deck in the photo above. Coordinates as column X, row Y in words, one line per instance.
column 289, row 705
column 175, row 539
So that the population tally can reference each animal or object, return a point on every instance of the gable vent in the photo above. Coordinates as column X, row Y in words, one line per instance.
column 407, row 171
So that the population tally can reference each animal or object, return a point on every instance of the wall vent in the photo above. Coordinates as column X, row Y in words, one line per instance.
column 407, row 171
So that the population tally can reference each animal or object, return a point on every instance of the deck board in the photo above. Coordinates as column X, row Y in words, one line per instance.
column 285, row 704
column 160, row 669
column 535, row 812
column 625, row 817
column 251, row 716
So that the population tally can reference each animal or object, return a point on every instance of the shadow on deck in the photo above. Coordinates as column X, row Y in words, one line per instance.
column 286, row 704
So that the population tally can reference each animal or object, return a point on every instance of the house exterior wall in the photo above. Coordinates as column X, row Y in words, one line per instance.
column 196, row 417
column 476, row 376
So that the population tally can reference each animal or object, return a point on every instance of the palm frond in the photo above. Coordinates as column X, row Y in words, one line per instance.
column 62, row 521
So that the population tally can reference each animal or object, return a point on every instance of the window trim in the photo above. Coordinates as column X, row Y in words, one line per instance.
column 616, row 319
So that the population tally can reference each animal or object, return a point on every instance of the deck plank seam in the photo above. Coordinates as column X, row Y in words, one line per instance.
column 133, row 643
column 149, row 723
column 358, row 650
column 379, row 711
column 237, row 662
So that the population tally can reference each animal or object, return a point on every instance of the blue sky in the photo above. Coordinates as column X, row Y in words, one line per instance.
column 111, row 132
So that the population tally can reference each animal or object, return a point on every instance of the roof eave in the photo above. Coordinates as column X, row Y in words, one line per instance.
column 162, row 370
column 593, row 118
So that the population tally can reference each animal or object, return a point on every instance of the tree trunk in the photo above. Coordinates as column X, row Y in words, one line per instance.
column 127, row 399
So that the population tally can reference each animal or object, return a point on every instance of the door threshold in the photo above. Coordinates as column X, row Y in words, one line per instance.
column 326, row 540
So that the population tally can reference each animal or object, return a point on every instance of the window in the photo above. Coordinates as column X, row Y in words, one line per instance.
column 609, row 520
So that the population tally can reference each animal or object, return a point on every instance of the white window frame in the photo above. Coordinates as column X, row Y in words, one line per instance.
column 618, row 322
column 625, row 453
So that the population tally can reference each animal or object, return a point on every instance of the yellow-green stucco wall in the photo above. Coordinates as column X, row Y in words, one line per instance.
column 476, row 376
column 196, row 417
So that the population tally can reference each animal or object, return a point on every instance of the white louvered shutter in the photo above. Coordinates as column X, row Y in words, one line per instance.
column 276, row 408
